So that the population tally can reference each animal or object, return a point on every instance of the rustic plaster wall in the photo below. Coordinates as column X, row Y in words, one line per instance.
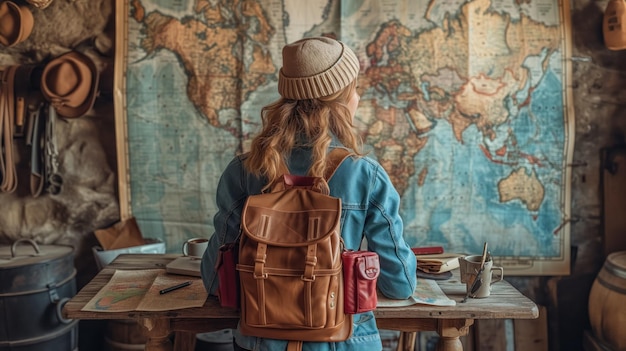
column 88, row 200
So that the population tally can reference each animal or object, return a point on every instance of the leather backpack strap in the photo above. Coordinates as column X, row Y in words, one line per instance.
column 294, row 345
column 335, row 158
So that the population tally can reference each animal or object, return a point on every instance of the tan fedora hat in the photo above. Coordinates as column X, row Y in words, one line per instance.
column 70, row 83
column 16, row 23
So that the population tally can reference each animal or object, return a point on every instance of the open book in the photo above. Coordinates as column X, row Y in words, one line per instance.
column 139, row 290
column 427, row 292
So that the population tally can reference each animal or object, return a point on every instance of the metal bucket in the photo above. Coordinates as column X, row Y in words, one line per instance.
column 37, row 281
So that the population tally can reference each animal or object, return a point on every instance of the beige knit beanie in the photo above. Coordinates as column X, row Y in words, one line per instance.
column 316, row 67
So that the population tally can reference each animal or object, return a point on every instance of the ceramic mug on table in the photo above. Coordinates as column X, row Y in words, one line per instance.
column 469, row 267
column 195, row 247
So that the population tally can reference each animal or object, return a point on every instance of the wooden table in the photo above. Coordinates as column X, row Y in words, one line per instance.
column 450, row 323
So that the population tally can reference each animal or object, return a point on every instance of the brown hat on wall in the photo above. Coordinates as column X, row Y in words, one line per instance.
column 16, row 23
column 316, row 67
column 70, row 83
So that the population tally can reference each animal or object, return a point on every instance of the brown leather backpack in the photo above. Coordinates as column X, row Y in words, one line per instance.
column 290, row 262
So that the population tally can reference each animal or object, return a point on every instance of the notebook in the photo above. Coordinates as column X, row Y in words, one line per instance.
column 185, row 265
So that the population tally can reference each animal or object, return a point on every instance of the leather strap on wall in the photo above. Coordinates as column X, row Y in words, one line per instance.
column 8, row 171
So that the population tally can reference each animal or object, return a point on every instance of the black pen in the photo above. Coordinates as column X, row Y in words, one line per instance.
column 172, row 288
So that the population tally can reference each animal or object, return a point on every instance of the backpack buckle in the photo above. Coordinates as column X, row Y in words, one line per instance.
column 260, row 276
column 308, row 279
column 309, row 269
column 259, row 262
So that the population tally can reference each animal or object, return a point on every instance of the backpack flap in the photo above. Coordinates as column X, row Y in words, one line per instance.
column 293, row 217
column 368, row 267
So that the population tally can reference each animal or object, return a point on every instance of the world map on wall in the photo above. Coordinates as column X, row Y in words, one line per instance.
column 465, row 105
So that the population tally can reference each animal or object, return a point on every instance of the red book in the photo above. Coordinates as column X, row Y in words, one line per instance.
column 427, row 250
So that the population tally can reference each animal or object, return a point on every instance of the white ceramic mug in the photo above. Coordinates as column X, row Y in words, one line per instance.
column 469, row 267
column 195, row 247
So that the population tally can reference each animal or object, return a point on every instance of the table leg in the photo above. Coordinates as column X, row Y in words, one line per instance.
column 158, row 332
column 449, row 344
column 406, row 341
column 450, row 330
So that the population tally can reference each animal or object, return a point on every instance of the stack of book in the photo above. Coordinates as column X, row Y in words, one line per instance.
column 433, row 262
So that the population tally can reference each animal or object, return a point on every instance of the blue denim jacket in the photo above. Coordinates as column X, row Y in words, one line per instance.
column 370, row 207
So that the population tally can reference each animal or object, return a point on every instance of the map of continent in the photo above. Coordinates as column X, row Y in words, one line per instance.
column 465, row 105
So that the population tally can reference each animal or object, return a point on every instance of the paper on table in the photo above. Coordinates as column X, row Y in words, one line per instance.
column 427, row 292
column 138, row 290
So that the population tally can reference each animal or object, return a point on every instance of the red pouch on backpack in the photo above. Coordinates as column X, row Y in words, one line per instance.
column 228, row 277
column 360, row 272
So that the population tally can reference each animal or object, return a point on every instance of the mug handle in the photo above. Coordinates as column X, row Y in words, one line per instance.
column 497, row 278
column 185, row 252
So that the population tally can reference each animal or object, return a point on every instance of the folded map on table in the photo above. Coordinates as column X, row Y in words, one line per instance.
column 426, row 292
column 139, row 290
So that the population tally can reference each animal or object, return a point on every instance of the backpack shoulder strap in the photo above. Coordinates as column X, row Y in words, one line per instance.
column 335, row 158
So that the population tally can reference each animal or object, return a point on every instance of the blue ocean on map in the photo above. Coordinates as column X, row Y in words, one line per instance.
column 457, row 204
column 191, row 156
